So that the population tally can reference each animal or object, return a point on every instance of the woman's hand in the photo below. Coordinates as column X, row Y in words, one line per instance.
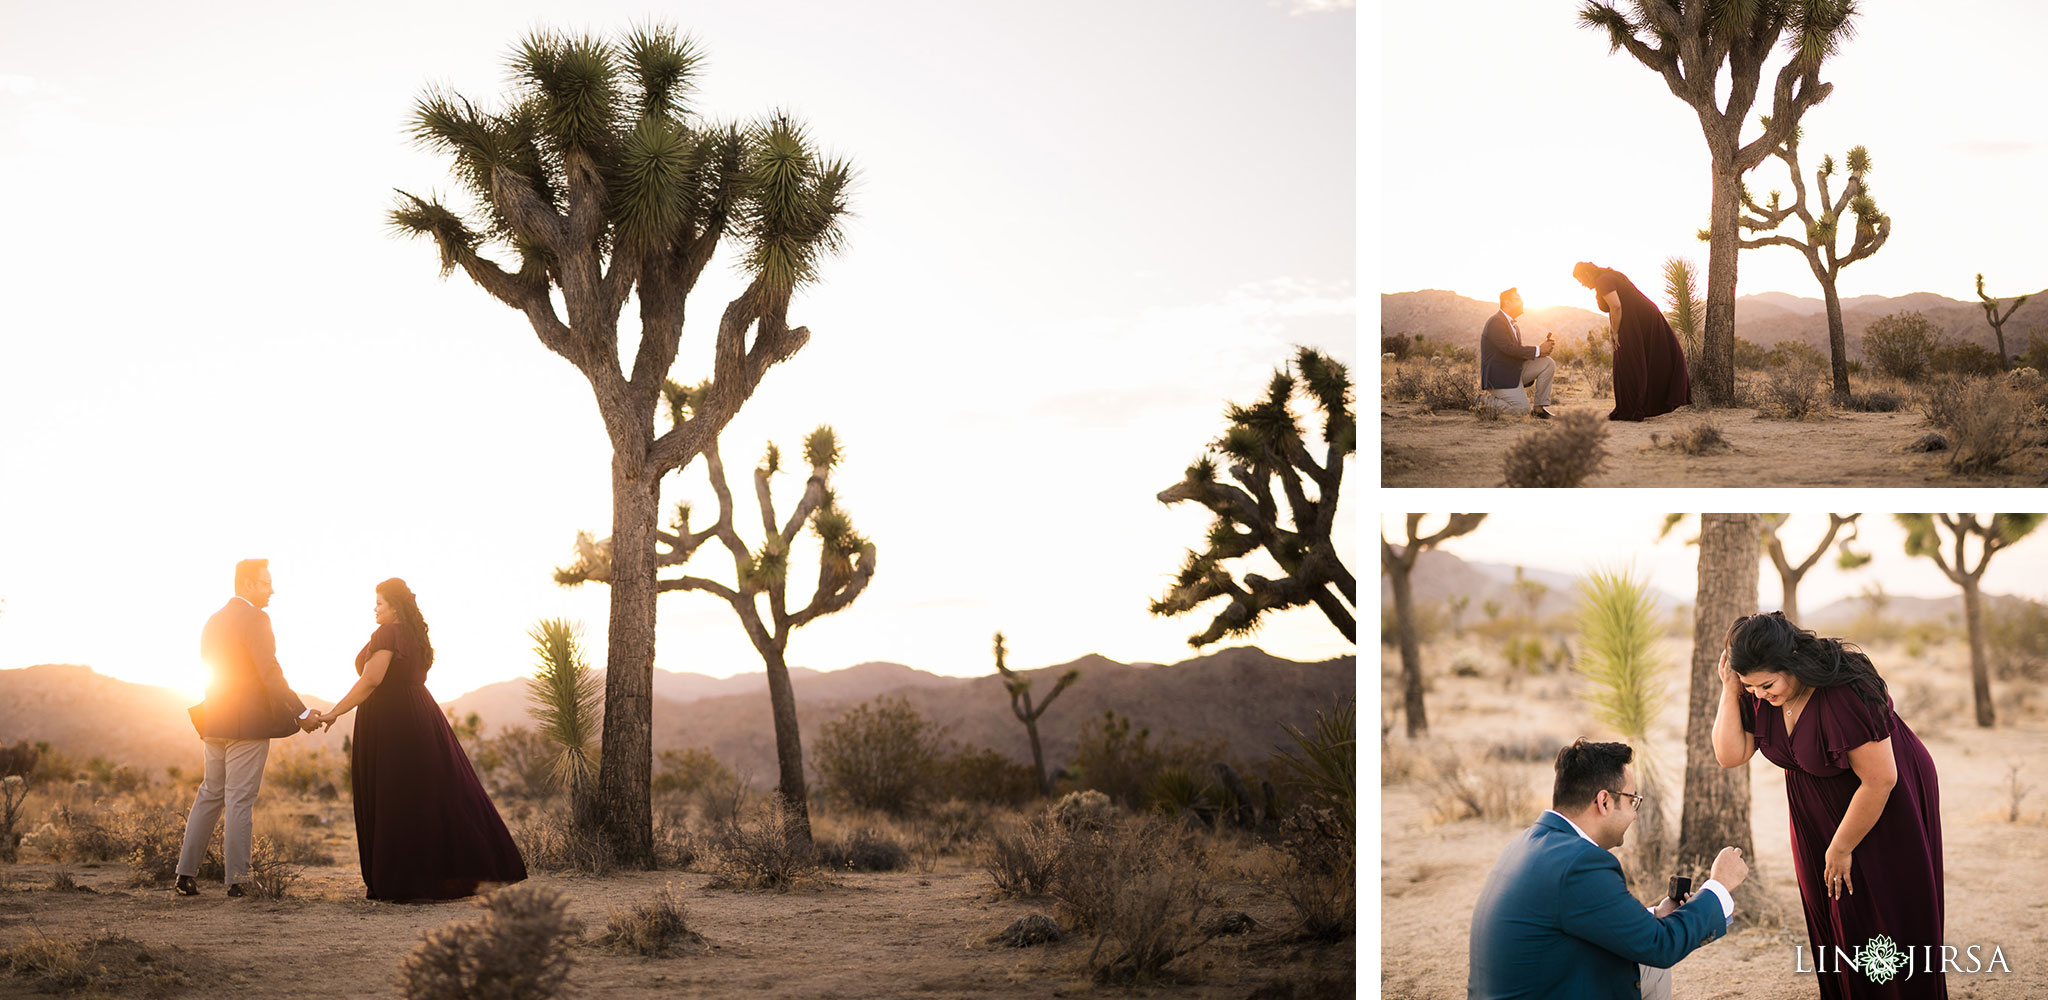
column 1836, row 874
column 1729, row 678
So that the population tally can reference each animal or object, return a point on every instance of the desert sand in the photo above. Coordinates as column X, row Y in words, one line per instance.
column 1452, row 448
column 1431, row 872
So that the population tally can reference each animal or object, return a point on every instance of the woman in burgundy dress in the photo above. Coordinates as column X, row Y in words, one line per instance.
column 1649, row 365
column 1865, row 803
column 424, row 827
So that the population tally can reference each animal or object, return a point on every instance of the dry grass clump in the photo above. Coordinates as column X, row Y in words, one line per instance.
column 550, row 842
column 1562, row 452
column 1140, row 886
column 1701, row 437
column 868, row 850
column 1489, row 792
column 761, row 852
column 1987, row 421
column 13, row 792
column 1435, row 387
column 657, row 927
column 1023, row 861
column 520, row 949
column 102, row 965
column 271, row 874
column 1797, row 390
column 1875, row 400
column 1319, row 880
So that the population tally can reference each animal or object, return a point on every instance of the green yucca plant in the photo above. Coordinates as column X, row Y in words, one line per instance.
column 568, row 701
column 1682, row 288
column 1325, row 761
column 1618, row 629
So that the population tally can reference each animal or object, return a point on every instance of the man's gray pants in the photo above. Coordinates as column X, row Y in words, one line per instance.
column 234, row 771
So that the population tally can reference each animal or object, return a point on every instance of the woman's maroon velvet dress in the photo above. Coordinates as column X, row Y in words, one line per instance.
column 424, row 827
column 1896, row 870
column 1649, row 365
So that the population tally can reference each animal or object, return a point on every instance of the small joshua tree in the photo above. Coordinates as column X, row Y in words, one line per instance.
column 1399, row 566
column 1872, row 229
column 1264, row 443
column 1924, row 538
column 568, row 702
column 846, row 563
column 1998, row 321
column 1019, row 687
column 1681, row 286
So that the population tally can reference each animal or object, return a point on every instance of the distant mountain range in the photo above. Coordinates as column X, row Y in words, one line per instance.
column 1242, row 696
column 1765, row 318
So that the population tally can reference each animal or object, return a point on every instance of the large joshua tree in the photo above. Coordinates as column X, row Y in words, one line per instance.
column 1924, row 538
column 1998, row 319
column 603, row 185
column 1019, row 687
column 1790, row 572
column 1264, row 444
column 1823, row 232
column 1688, row 44
column 1715, row 811
column 846, row 562
column 1399, row 566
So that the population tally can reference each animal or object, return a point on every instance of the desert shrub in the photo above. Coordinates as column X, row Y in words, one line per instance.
column 19, row 759
column 2016, row 637
column 1394, row 344
column 1111, row 758
column 880, row 755
column 868, row 850
column 100, row 965
column 13, row 792
column 1701, row 437
column 691, row 771
column 518, row 763
column 114, row 776
column 157, row 834
column 1140, row 887
column 2036, row 356
column 520, row 949
column 1488, row 792
column 655, row 928
column 1319, row 877
column 1795, row 390
column 1023, row 859
column 271, row 876
column 306, row 771
column 761, row 851
column 1086, row 809
column 86, row 835
column 1875, row 400
column 1750, row 355
column 1795, row 352
column 1323, row 765
column 943, row 828
column 1986, row 421
column 1901, row 345
column 1590, row 349
column 1564, row 451
column 1434, row 386
column 1960, row 357
column 979, row 774
column 550, row 842
column 1179, row 791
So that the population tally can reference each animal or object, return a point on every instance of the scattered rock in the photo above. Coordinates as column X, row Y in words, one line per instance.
column 1033, row 929
column 1930, row 441
column 1229, row 922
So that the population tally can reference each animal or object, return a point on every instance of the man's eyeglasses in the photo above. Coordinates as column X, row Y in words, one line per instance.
column 1634, row 799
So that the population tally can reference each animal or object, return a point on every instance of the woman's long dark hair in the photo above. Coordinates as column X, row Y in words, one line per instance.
column 399, row 596
column 1772, row 642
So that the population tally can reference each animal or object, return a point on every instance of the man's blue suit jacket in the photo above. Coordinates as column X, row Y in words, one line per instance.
column 1556, row 920
column 1502, row 354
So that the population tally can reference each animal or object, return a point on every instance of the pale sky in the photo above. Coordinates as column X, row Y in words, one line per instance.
column 1515, row 145
column 1560, row 541
column 1080, row 228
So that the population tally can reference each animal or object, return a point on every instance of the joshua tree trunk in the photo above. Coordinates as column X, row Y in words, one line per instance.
column 789, row 750
column 1411, row 656
column 1838, row 343
column 625, row 760
column 1980, row 667
column 1717, row 368
column 1716, row 807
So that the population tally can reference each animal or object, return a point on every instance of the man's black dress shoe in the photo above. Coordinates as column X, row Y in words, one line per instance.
column 236, row 891
column 187, row 887
column 1542, row 414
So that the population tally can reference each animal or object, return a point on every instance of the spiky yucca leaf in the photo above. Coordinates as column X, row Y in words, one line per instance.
column 771, row 459
column 416, row 216
column 664, row 66
column 821, row 448
column 576, row 79
column 1618, row 629
column 1325, row 761
column 1681, row 287
column 567, row 700
column 651, row 186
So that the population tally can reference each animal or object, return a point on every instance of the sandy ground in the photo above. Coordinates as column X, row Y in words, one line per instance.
column 1431, row 872
column 897, row 934
column 1842, row 449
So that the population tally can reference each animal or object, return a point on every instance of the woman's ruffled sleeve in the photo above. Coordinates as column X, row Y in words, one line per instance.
column 1747, row 702
column 1847, row 722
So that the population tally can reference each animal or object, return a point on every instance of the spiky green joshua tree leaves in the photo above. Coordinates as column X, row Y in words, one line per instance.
column 1998, row 319
column 1822, row 233
column 1019, row 687
column 1924, row 538
column 595, row 183
column 567, row 700
column 1688, row 45
column 846, row 562
column 1264, row 446
column 1682, row 288
column 1618, row 631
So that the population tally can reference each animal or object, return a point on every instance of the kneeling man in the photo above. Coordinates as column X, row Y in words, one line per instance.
column 1555, row 919
column 1512, row 376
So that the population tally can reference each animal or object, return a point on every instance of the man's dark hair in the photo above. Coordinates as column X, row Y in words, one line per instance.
column 1504, row 296
column 246, row 570
column 1583, row 769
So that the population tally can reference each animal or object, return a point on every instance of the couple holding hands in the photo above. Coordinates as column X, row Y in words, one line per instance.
column 425, row 829
column 1555, row 918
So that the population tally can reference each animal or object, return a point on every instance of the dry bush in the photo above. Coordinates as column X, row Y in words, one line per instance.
column 1023, row 860
column 1798, row 390
column 1140, row 887
column 1319, row 879
column 1701, row 437
column 1399, row 763
column 271, row 875
column 656, row 928
column 1435, row 387
column 1924, row 707
column 518, row 951
column 947, row 828
column 1490, row 792
column 13, row 792
column 879, row 755
column 550, row 841
column 868, row 850
column 1562, row 452
column 760, row 852
column 103, row 965
column 315, row 771
column 1875, row 400
column 1086, row 809
column 157, row 835
column 63, row 882
column 1987, row 424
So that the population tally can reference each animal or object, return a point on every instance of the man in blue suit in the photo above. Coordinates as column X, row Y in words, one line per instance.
column 1555, row 919
column 1512, row 376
